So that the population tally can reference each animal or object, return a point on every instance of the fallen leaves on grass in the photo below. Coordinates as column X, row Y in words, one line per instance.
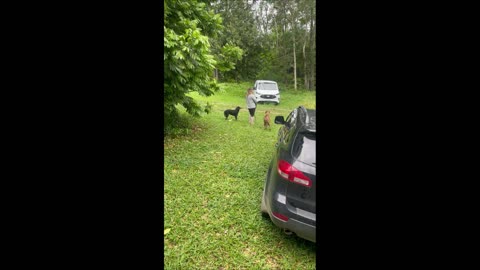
column 166, row 231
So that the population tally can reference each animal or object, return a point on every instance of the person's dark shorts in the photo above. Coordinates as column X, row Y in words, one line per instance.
column 252, row 112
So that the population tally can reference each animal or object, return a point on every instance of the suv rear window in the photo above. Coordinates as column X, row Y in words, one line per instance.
column 304, row 147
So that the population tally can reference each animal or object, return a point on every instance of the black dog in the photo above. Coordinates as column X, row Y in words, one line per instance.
column 231, row 112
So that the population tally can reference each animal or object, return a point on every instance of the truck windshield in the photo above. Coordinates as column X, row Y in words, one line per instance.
column 267, row 86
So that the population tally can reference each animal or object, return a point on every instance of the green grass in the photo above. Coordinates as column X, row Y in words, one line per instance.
column 214, row 178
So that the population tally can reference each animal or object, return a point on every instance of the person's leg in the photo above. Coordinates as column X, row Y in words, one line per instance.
column 253, row 116
column 250, row 117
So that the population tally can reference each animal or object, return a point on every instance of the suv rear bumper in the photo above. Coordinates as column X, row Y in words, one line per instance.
column 301, row 229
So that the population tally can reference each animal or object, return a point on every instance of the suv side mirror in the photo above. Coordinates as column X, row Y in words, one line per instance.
column 279, row 120
column 254, row 88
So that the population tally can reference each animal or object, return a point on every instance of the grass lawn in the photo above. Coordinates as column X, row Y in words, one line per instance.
column 214, row 176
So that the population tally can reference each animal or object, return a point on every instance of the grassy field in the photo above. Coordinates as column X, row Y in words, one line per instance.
column 214, row 174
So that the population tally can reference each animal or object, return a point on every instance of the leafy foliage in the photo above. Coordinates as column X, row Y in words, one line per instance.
column 239, row 28
column 229, row 55
column 277, row 37
column 188, row 62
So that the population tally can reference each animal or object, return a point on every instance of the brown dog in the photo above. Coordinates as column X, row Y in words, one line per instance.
column 266, row 120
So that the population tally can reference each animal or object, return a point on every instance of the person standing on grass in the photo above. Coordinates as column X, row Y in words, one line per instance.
column 251, row 105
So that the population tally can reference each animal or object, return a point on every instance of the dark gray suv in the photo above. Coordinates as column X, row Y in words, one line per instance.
column 289, row 191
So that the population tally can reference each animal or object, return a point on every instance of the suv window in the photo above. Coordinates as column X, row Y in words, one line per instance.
column 304, row 148
column 290, row 126
column 291, row 118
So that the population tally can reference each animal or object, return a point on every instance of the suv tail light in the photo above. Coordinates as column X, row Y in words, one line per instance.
column 290, row 173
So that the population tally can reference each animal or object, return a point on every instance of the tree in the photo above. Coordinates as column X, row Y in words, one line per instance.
column 188, row 62
column 290, row 26
column 240, row 30
column 228, row 57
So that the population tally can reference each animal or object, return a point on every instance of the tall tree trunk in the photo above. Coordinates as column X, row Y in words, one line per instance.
column 294, row 64
column 276, row 32
column 305, row 76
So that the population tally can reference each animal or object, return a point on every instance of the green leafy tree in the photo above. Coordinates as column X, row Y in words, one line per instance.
column 227, row 58
column 188, row 62
column 290, row 54
column 240, row 30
